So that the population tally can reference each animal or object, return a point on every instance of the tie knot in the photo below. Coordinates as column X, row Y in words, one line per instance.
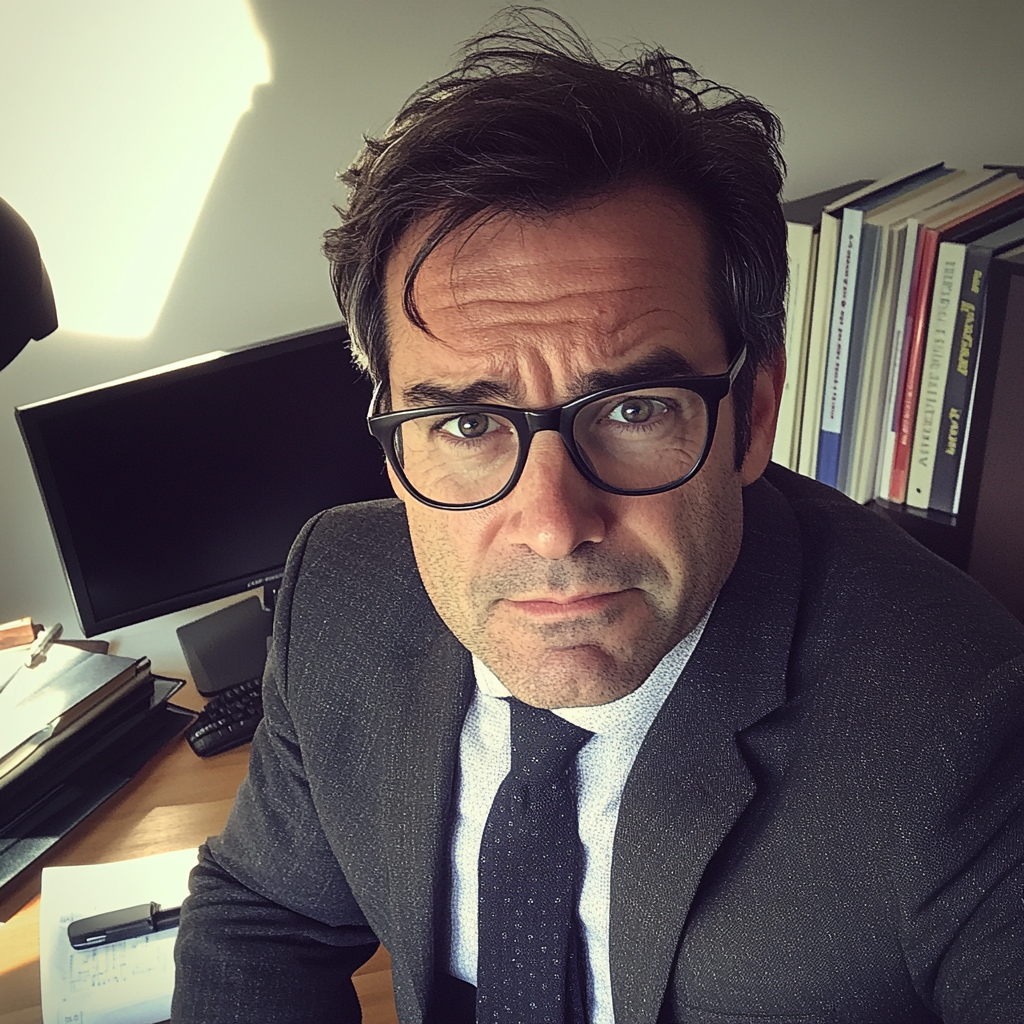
column 542, row 742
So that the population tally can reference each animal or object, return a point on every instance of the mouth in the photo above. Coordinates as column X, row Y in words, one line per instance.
column 566, row 606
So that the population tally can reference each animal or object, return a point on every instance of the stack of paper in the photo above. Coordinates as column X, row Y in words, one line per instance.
column 129, row 982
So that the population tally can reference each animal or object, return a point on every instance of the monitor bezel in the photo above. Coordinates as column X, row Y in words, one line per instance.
column 33, row 417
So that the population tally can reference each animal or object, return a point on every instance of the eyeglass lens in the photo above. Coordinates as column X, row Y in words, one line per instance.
column 634, row 441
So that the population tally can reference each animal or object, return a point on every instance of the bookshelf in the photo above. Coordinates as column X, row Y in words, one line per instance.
column 986, row 537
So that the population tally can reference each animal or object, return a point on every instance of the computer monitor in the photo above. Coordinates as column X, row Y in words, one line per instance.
column 190, row 482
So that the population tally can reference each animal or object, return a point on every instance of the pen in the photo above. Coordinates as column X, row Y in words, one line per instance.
column 37, row 652
column 129, row 923
column 42, row 644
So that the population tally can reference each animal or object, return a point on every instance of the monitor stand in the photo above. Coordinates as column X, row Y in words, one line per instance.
column 228, row 646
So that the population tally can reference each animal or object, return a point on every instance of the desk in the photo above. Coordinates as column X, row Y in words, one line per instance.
column 177, row 800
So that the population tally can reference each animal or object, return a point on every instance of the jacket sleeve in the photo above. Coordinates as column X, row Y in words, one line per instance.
column 961, row 866
column 270, row 931
column 243, row 957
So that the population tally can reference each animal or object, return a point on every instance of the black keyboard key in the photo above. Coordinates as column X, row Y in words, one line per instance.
column 229, row 719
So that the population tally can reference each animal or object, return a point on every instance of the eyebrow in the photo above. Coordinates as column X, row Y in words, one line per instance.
column 480, row 392
column 662, row 362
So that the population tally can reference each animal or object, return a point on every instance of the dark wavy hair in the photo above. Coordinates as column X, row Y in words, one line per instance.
column 532, row 121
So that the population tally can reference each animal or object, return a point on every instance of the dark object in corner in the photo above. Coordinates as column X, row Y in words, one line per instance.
column 27, row 309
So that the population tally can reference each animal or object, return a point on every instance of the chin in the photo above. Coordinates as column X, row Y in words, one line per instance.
column 573, row 677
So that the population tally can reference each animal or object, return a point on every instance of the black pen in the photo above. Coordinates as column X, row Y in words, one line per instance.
column 129, row 923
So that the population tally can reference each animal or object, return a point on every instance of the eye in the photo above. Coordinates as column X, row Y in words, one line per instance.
column 635, row 409
column 469, row 425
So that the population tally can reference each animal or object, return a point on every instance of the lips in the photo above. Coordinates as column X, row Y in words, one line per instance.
column 565, row 606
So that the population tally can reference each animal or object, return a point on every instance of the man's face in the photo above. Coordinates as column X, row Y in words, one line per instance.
column 569, row 594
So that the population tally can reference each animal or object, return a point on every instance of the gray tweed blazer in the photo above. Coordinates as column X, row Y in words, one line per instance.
column 825, row 822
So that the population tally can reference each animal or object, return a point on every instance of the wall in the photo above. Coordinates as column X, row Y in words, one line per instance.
column 863, row 89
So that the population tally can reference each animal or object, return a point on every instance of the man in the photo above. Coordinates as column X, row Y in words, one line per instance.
column 784, row 778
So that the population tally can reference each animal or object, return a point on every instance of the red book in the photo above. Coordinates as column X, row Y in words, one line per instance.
column 957, row 215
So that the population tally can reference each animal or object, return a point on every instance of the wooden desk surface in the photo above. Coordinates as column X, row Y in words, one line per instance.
column 177, row 800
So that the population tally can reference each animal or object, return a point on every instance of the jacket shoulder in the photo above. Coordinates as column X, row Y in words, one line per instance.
column 857, row 560
column 351, row 584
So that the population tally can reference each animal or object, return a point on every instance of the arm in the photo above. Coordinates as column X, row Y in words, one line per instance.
column 963, row 871
column 241, row 957
column 271, row 931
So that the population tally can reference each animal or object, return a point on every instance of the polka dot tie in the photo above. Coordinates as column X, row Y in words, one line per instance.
column 531, row 966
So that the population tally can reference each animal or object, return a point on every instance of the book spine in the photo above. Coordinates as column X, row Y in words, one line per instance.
column 914, row 339
column 801, row 244
column 817, row 343
column 857, row 356
column 830, row 438
column 875, row 375
column 948, row 279
column 960, row 376
column 979, row 338
column 907, row 249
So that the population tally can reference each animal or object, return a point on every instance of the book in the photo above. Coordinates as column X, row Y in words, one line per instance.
column 906, row 243
column 848, row 276
column 817, row 339
column 884, row 236
column 52, row 756
column 803, row 224
column 948, row 276
column 17, row 633
column 941, row 320
column 62, row 688
column 930, row 229
column 871, row 334
column 961, row 374
column 118, row 752
column 904, row 249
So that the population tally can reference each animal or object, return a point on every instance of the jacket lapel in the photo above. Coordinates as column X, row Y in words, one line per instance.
column 417, row 793
column 690, row 782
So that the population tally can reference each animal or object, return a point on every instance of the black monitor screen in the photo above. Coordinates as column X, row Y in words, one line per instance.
column 190, row 483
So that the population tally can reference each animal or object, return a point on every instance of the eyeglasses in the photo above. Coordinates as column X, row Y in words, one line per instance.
column 642, row 439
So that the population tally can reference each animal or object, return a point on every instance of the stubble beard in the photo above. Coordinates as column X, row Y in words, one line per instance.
column 581, row 661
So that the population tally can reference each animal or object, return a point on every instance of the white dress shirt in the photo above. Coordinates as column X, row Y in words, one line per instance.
column 485, row 758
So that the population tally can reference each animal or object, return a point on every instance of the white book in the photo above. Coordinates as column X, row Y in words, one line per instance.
column 802, row 249
column 867, row 415
column 838, row 355
column 949, row 271
column 811, row 214
column 817, row 343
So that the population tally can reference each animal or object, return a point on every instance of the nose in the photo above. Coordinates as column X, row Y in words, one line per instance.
column 552, row 509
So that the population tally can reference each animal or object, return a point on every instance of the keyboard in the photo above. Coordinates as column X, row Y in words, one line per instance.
column 228, row 720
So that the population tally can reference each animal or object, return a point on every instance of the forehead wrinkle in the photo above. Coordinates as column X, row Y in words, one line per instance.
column 488, row 303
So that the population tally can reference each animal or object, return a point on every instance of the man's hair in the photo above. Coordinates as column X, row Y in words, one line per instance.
column 532, row 122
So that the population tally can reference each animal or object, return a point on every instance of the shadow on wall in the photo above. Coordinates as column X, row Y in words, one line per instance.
column 253, row 268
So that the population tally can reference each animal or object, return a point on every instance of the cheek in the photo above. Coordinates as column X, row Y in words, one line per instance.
column 449, row 549
column 696, row 535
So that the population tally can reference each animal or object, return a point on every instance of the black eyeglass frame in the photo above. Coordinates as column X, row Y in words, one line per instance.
column 711, row 388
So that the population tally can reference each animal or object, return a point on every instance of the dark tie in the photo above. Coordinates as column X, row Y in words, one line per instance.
column 531, row 963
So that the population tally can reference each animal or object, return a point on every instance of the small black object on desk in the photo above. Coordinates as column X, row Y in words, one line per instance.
column 228, row 720
column 118, row 925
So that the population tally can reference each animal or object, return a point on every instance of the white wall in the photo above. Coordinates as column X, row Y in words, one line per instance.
column 863, row 89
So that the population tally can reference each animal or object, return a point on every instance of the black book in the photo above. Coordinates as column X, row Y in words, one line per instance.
column 963, row 364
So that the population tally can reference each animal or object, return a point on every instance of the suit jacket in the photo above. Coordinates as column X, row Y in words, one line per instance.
column 824, row 822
